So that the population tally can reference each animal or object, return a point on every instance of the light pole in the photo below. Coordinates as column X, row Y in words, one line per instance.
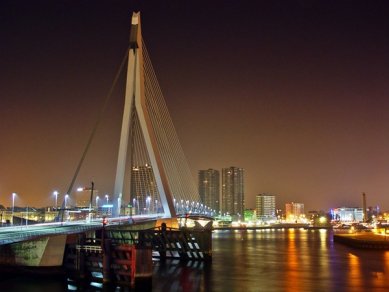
column 97, row 202
column 148, row 203
column 66, row 200
column 107, row 198
column 55, row 193
column 13, row 206
column 90, row 201
column 119, row 205
column 133, row 204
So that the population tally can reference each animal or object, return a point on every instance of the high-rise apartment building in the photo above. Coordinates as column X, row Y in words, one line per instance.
column 265, row 206
column 294, row 211
column 233, row 191
column 144, row 192
column 209, row 188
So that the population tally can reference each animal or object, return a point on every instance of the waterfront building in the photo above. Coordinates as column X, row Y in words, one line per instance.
column 250, row 215
column 347, row 215
column 265, row 206
column 233, row 192
column 372, row 213
column 144, row 193
column 294, row 212
column 27, row 216
column 209, row 188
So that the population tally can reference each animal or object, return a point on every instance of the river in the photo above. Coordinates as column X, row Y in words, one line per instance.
column 258, row 260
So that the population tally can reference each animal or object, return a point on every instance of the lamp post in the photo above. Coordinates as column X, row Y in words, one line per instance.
column 97, row 202
column 107, row 198
column 148, row 203
column 55, row 193
column 119, row 205
column 13, row 206
column 66, row 205
column 90, row 201
column 66, row 200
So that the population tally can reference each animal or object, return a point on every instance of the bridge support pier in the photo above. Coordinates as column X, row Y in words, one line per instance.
column 81, row 257
column 107, row 261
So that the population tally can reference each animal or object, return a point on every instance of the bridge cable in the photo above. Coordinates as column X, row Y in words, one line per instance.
column 165, row 134
column 179, row 153
column 167, row 137
column 97, row 123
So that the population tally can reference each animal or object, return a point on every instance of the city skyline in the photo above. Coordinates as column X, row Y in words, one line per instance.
column 294, row 93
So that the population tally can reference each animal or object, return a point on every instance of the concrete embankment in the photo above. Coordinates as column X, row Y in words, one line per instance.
column 363, row 240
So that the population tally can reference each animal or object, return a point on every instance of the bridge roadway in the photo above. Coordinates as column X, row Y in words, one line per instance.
column 13, row 234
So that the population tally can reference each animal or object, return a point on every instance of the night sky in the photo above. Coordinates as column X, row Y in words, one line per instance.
column 295, row 92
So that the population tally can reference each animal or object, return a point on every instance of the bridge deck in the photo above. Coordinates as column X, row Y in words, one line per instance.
column 13, row 234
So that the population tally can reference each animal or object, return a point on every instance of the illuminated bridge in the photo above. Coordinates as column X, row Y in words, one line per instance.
column 152, row 176
column 153, row 179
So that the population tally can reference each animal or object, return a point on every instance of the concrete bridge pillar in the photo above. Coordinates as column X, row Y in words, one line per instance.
column 106, row 260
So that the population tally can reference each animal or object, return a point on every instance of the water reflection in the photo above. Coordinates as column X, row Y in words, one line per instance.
column 368, row 269
column 178, row 276
column 292, row 272
column 354, row 277
column 298, row 260
column 261, row 260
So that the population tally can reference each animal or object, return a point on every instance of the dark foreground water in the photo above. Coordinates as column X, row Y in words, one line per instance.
column 262, row 260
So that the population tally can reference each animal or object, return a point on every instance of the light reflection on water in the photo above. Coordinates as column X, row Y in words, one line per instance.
column 262, row 260
column 286, row 260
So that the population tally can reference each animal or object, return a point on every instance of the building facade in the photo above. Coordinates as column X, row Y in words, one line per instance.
column 209, row 188
column 347, row 215
column 265, row 205
column 233, row 192
column 144, row 192
column 294, row 212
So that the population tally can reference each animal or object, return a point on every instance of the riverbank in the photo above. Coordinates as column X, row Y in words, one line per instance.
column 273, row 226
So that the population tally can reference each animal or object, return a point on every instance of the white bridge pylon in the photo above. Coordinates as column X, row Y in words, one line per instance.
column 143, row 100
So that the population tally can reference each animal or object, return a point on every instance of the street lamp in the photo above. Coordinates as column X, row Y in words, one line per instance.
column 119, row 204
column 148, row 203
column 107, row 198
column 55, row 193
column 13, row 206
column 134, row 204
column 66, row 200
column 97, row 202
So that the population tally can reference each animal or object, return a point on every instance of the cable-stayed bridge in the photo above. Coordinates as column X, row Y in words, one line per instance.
column 152, row 179
column 152, row 176
column 152, row 172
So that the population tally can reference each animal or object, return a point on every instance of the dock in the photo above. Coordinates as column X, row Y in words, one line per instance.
column 363, row 240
